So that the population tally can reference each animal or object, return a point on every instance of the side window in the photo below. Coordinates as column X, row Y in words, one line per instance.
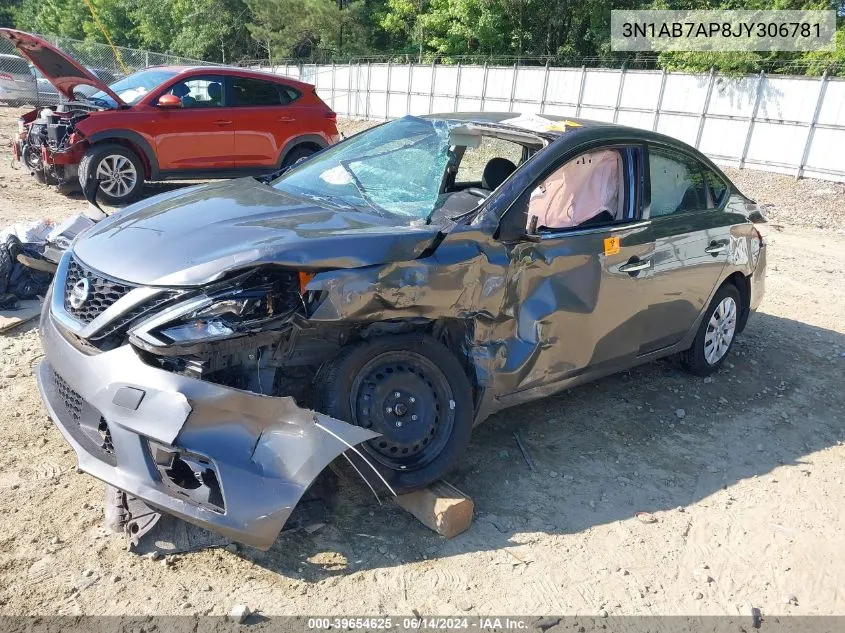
column 677, row 184
column 476, row 159
column 200, row 92
column 590, row 189
column 255, row 92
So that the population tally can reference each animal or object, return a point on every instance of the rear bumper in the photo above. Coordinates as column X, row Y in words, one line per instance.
column 758, row 280
column 263, row 451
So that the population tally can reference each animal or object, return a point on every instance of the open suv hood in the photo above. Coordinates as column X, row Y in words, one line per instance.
column 190, row 237
column 57, row 67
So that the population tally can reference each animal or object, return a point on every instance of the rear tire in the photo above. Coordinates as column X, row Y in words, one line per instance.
column 716, row 334
column 413, row 391
column 296, row 155
column 119, row 170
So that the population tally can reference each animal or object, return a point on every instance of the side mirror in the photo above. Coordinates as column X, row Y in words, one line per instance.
column 169, row 102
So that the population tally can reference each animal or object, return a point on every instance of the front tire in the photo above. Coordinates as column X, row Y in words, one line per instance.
column 716, row 334
column 413, row 391
column 119, row 170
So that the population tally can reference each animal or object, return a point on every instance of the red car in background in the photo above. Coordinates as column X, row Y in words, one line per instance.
column 165, row 123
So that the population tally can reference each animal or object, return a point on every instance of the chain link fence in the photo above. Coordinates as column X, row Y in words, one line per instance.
column 21, row 84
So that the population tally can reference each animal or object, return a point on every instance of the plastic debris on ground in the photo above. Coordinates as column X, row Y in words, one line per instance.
column 29, row 252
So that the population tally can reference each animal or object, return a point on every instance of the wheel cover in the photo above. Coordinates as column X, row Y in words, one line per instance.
column 117, row 175
column 406, row 398
column 720, row 331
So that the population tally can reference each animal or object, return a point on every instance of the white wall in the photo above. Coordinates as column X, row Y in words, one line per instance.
column 792, row 125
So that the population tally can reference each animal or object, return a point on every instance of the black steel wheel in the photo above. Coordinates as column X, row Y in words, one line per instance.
column 407, row 399
column 414, row 393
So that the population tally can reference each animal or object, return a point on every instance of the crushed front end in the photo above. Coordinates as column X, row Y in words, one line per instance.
column 188, row 433
column 48, row 144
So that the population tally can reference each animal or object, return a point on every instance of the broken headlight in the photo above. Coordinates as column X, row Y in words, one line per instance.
column 221, row 319
column 221, row 315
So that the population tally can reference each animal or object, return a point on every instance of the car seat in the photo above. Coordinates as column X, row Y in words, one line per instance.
column 215, row 93
column 183, row 92
column 496, row 171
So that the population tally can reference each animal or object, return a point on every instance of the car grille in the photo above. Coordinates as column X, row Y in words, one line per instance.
column 83, row 421
column 103, row 292
column 69, row 399
column 124, row 320
column 105, row 435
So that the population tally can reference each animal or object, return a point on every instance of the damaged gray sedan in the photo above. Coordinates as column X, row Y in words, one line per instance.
column 209, row 351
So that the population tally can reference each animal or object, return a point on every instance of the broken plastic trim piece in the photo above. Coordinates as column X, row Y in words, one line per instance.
column 357, row 452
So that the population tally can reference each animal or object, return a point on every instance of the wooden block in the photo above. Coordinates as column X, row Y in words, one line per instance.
column 26, row 311
column 440, row 507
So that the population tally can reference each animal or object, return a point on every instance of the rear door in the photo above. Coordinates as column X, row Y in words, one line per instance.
column 199, row 136
column 582, row 285
column 692, row 237
column 266, row 117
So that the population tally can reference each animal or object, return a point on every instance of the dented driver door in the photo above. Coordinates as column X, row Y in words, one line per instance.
column 580, row 297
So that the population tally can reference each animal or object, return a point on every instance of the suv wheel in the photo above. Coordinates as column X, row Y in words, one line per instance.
column 119, row 170
column 297, row 155
column 716, row 333
column 414, row 392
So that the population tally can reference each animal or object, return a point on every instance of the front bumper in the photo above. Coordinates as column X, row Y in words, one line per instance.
column 264, row 451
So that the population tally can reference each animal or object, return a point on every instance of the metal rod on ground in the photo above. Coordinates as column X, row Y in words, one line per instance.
column 528, row 459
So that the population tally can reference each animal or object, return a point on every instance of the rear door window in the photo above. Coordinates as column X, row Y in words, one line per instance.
column 677, row 184
column 255, row 92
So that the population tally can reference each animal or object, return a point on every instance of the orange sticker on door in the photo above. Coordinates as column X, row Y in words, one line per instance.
column 611, row 245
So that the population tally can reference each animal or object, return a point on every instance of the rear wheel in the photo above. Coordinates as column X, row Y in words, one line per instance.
column 119, row 170
column 297, row 155
column 413, row 391
column 716, row 333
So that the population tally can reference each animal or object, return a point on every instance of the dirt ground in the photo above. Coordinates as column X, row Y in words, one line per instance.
column 745, row 484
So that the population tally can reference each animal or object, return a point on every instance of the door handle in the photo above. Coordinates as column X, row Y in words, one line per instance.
column 285, row 119
column 635, row 266
column 716, row 247
column 222, row 122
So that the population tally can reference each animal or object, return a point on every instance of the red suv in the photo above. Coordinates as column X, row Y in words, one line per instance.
column 166, row 122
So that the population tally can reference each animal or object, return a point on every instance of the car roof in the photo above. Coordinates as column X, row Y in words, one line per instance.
column 552, row 127
column 234, row 70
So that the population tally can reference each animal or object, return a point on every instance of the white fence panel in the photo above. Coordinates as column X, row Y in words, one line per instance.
column 833, row 106
column 529, row 85
column 601, row 87
column 826, row 158
column 685, row 93
column 789, row 99
column 642, row 90
column 472, row 81
column 564, row 87
column 681, row 127
column 499, row 82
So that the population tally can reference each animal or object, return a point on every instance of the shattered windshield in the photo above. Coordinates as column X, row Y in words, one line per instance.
column 132, row 88
column 395, row 169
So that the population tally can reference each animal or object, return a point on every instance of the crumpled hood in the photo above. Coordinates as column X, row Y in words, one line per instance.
column 192, row 236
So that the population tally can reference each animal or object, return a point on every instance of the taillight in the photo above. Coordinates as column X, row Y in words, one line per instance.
column 759, row 235
column 6, row 76
column 331, row 115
